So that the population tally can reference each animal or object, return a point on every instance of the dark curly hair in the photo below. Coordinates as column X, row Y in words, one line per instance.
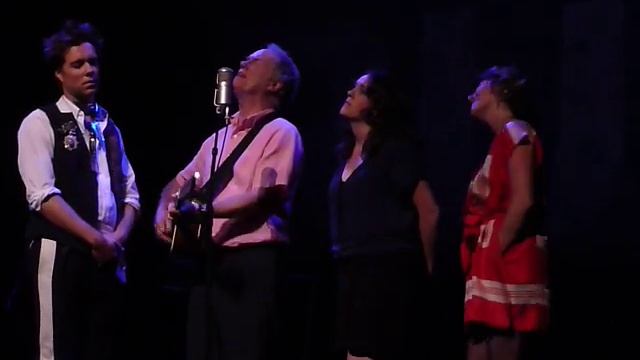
column 71, row 34
column 509, row 85
column 388, row 115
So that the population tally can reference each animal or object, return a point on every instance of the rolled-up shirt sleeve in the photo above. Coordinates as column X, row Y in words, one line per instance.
column 281, row 160
column 187, row 173
column 200, row 162
column 132, row 196
column 35, row 153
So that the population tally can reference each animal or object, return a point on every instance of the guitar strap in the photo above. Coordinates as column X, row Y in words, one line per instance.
column 223, row 175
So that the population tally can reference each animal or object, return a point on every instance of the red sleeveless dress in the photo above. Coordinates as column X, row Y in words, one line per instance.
column 504, row 291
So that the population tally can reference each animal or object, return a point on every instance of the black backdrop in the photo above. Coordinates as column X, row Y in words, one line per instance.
column 158, row 72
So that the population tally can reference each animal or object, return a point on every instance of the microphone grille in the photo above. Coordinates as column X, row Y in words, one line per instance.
column 225, row 74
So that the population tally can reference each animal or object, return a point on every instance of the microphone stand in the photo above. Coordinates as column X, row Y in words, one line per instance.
column 205, row 230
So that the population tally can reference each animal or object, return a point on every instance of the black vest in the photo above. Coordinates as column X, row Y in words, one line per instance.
column 75, row 178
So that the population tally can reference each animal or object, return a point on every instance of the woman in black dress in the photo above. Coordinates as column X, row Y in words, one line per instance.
column 383, row 220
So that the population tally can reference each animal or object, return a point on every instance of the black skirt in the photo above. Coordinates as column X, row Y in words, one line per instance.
column 379, row 305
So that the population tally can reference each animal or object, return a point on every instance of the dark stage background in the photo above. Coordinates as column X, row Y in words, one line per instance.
column 158, row 72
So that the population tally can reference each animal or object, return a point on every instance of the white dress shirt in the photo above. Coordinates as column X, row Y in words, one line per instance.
column 35, row 154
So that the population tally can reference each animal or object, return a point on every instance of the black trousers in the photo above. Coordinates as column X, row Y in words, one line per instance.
column 236, row 316
column 78, row 304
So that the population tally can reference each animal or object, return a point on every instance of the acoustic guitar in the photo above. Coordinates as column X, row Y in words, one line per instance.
column 190, row 218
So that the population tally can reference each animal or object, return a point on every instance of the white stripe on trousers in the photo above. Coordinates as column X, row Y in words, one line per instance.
column 45, row 294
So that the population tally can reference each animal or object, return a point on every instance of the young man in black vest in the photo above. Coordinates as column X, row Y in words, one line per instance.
column 256, row 172
column 83, row 199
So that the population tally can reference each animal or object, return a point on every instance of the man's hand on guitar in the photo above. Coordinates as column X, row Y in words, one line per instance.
column 190, row 210
column 163, row 223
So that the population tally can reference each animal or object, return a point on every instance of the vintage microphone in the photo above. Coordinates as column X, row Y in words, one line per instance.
column 222, row 96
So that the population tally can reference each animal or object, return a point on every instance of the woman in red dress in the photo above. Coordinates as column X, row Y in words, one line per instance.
column 503, row 252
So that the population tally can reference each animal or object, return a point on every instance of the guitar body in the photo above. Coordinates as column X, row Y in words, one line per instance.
column 186, row 239
column 193, row 205
column 189, row 232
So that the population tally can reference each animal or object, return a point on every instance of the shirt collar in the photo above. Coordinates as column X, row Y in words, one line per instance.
column 65, row 105
column 240, row 124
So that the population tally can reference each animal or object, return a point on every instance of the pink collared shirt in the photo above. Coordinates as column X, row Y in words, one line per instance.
column 274, row 157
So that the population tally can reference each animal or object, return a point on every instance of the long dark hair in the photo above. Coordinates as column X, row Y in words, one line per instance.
column 388, row 115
